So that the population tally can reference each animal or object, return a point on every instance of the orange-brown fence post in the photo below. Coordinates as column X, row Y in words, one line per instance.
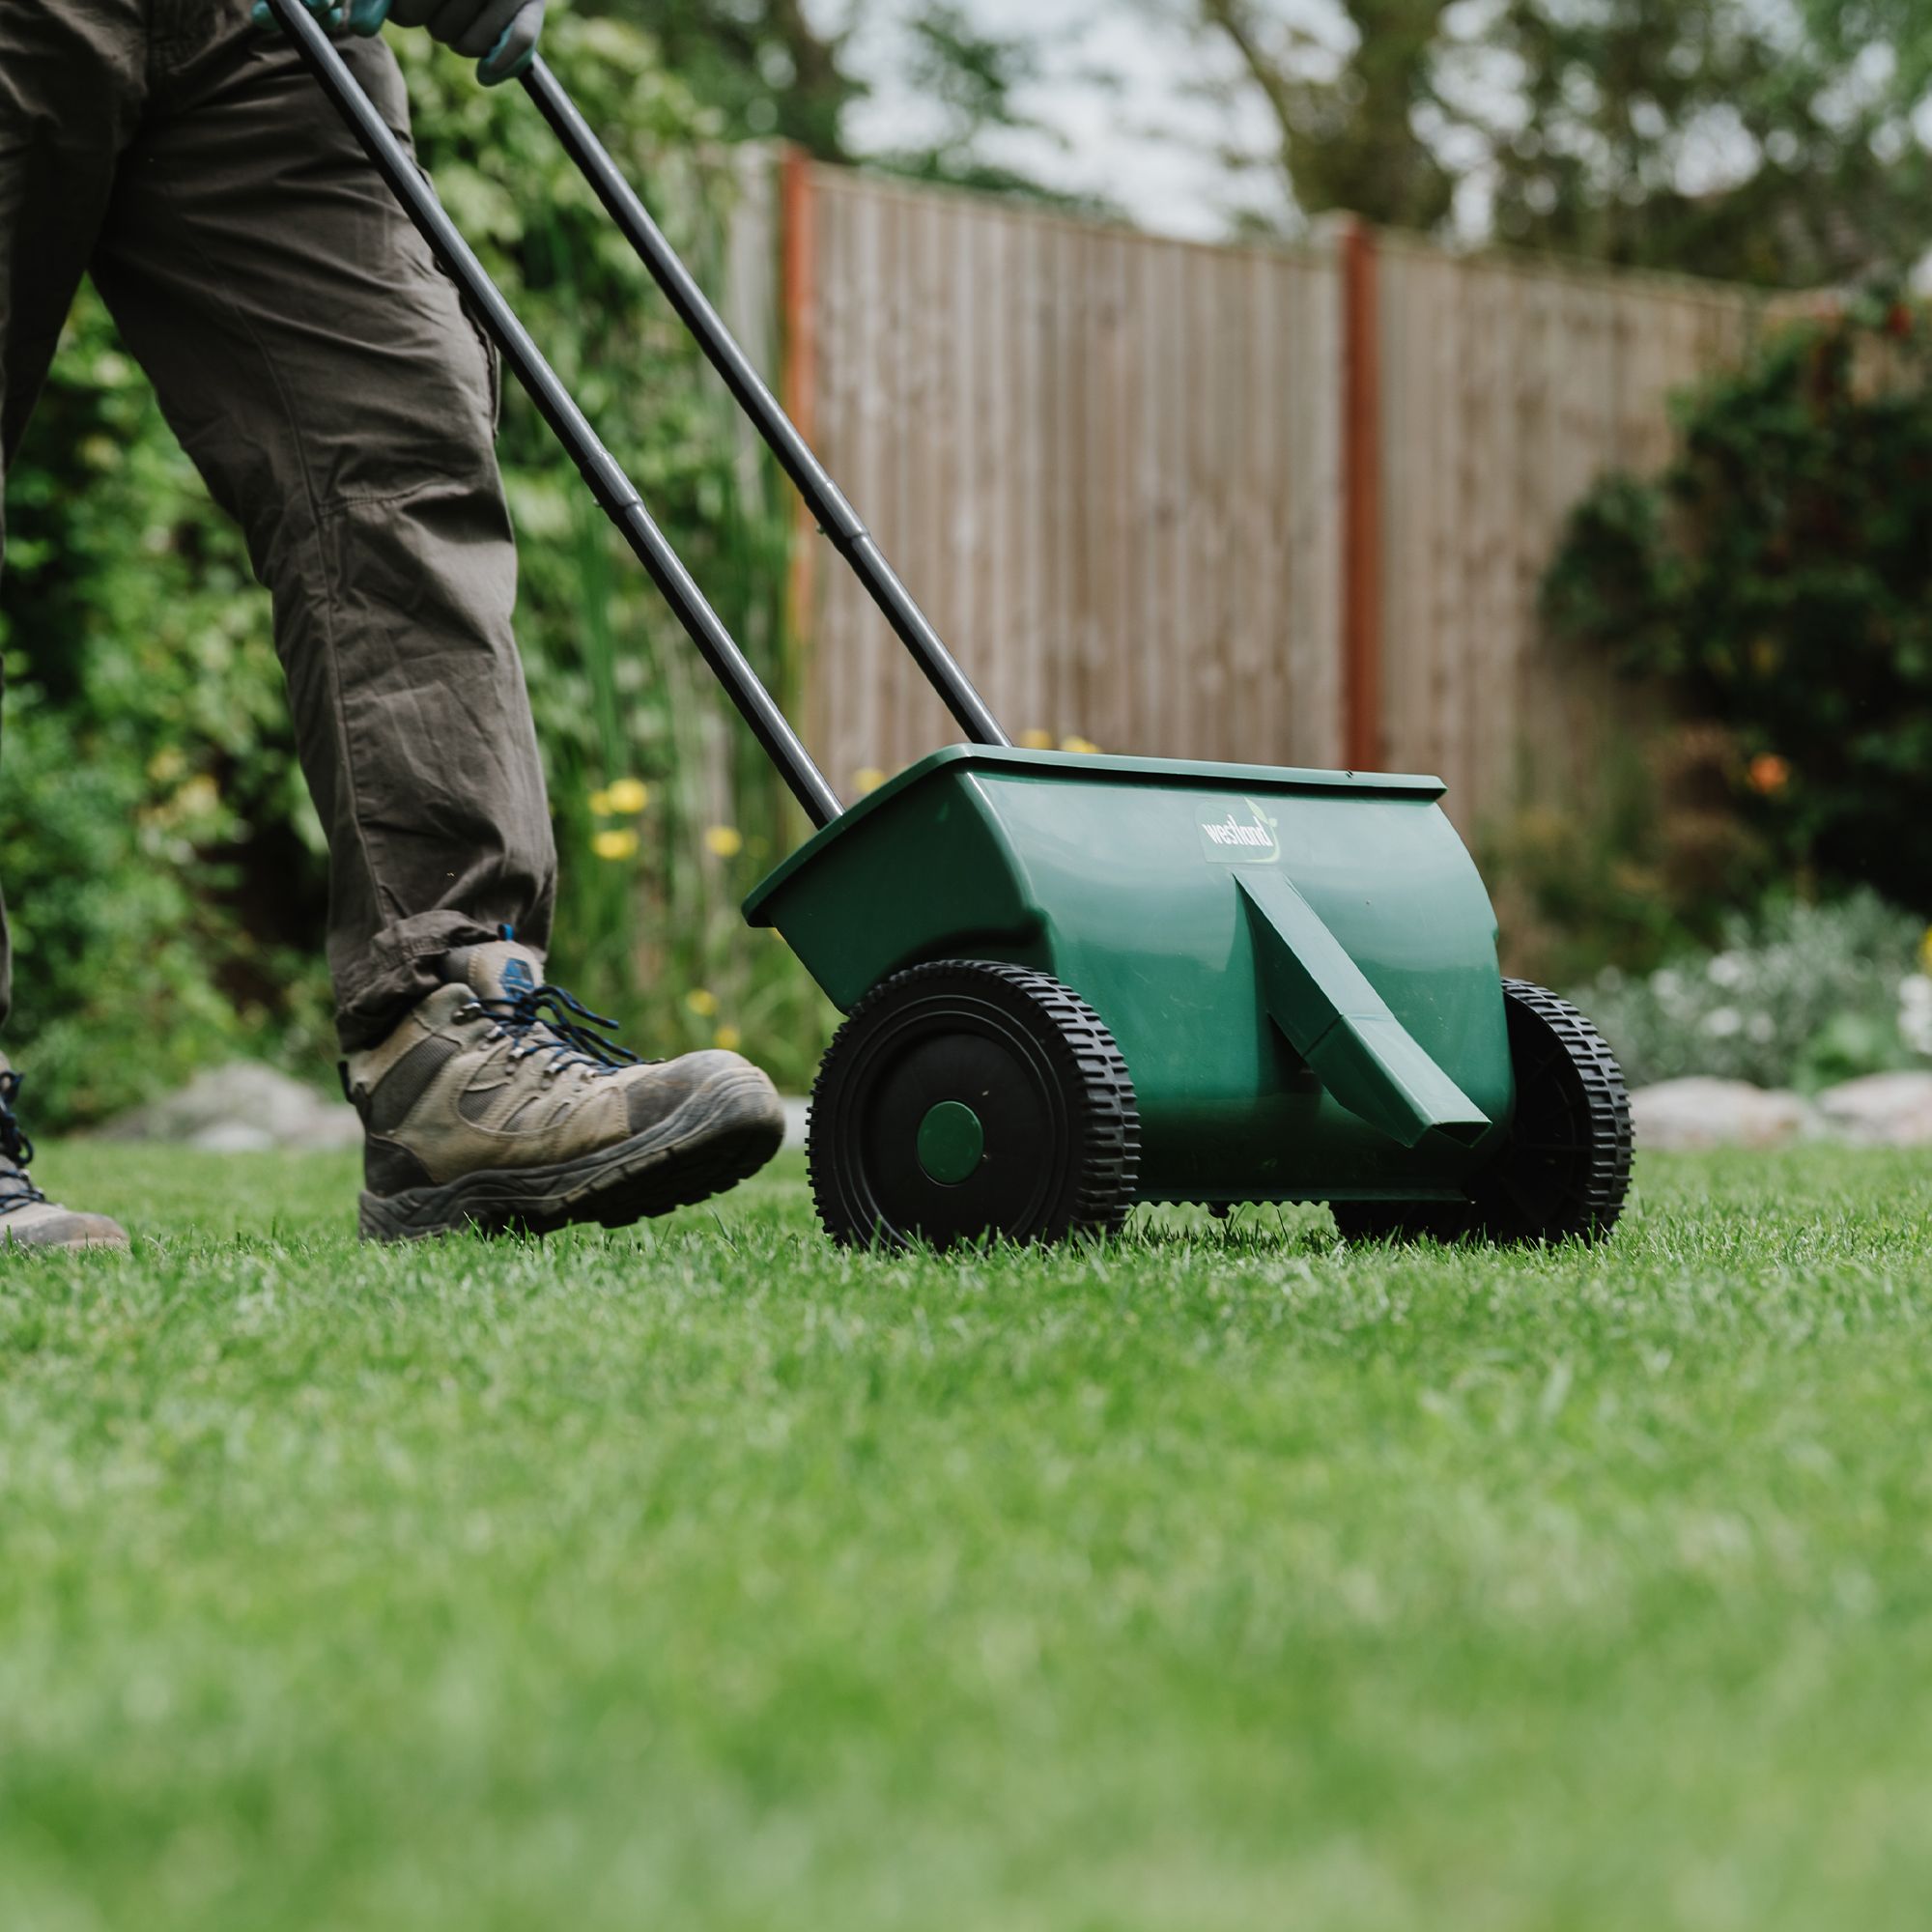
column 798, row 217
column 1362, row 509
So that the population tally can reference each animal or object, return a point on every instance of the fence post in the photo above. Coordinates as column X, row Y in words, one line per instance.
column 1362, row 505
column 798, row 221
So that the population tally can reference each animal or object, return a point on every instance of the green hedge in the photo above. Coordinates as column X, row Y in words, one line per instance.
column 164, row 867
column 1777, row 579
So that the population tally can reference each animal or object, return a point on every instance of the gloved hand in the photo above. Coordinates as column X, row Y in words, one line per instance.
column 500, row 36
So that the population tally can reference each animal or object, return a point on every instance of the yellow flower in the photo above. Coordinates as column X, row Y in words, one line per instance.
column 1036, row 740
column 600, row 804
column 1080, row 748
column 701, row 1002
column 869, row 780
column 615, row 846
column 725, row 842
column 1926, row 950
column 629, row 795
column 166, row 765
column 198, row 798
column 728, row 1038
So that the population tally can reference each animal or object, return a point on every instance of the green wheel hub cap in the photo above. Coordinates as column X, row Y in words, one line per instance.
column 951, row 1143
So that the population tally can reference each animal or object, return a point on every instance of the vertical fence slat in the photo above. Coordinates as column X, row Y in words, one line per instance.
column 1114, row 468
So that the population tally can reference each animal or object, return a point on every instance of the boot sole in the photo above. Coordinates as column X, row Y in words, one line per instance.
column 12, row 1244
column 723, row 1134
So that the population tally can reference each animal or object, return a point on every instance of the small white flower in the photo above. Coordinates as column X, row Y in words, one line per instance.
column 1761, row 1030
column 1667, row 985
column 1723, row 1023
column 1728, row 970
column 1915, row 1014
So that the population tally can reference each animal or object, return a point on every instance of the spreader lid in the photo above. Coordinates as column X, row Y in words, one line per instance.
column 1088, row 768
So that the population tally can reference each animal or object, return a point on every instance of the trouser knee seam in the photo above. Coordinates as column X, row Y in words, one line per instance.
column 332, row 509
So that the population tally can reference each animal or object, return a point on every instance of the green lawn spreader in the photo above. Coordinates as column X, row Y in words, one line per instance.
column 1076, row 983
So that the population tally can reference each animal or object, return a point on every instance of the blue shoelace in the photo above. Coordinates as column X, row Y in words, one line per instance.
column 569, row 1023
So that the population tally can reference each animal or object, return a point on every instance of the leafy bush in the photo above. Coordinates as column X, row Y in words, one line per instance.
column 1643, row 867
column 165, row 865
column 1778, row 576
column 148, row 793
column 1804, row 995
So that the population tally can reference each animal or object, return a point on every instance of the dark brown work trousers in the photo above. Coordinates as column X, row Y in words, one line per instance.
column 322, row 372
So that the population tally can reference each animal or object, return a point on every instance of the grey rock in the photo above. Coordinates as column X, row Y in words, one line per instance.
column 1690, row 1115
column 1882, row 1110
column 243, row 1108
column 233, row 1137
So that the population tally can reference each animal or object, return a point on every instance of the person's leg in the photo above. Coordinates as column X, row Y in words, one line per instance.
column 319, row 369
column 70, row 86
column 70, row 94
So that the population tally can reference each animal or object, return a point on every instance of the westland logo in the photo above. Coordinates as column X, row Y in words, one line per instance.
column 1253, row 840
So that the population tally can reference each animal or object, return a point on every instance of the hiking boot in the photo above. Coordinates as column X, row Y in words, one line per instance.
column 497, row 1105
column 28, row 1219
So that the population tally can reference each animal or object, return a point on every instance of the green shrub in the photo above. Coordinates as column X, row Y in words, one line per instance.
column 165, row 868
column 147, row 790
column 1641, row 868
column 1778, row 576
column 1797, row 994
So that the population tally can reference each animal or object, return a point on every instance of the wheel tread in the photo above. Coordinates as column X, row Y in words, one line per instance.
column 1597, row 1202
column 1108, row 1161
column 1593, row 1201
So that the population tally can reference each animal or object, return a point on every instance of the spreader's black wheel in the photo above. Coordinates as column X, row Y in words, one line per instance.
column 973, row 1098
column 1564, row 1171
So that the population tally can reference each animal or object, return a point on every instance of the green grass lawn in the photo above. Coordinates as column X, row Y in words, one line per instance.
column 704, row 1577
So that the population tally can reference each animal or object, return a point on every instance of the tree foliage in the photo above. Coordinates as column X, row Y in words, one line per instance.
column 766, row 67
column 1746, row 139
column 1348, row 104
column 776, row 68
column 973, row 82
column 1714, row 135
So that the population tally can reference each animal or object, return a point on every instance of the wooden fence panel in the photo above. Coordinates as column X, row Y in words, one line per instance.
column 1112, row 468
column 1108, row 467
column 1508, row 390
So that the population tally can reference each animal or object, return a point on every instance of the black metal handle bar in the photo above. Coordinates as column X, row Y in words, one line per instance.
column 612, row 488
column 827, row 501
